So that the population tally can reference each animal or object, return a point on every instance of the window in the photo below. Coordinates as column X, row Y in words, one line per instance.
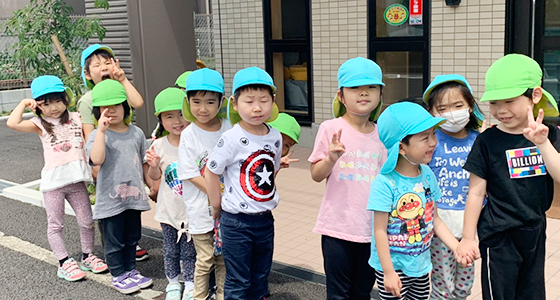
column 288, row 55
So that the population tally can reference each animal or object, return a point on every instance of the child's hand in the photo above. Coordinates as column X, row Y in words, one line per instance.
column 216, row 213
column 104, row 122
column 485, row 126
column 536, row 131
column 466, row 252
column 29, row 103
column 392, row 283
column 118, row 73
column 336, row 148
column 152, row 158
column 286, row 160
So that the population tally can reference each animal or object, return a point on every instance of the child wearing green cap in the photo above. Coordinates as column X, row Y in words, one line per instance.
column 515, row 164
column 118, row 148
column 248, row 157
column 205, row 90
column 65, row 172
column 348, row 154
column 403, row 200
column 450, row 97
column 290, row 130
column 170, row 209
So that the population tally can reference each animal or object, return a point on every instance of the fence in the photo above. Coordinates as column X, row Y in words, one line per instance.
column 204, row 39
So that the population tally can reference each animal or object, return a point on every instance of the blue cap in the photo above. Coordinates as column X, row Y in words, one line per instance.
column 252, row 75
column 441, row 79
column 205, row 80
column 85, row 54
column 398, row 121
column 47, row 84
column 359, row 71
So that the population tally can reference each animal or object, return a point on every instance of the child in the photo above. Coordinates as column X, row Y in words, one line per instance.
column 403, row 198
column 180, row 82
column 118, row 148
column 98, row 63
column 65, row 171
column 290, row 130
column 450, row 97
column 348, row 154
column 171, row 212
column 205, row 90
column 514, row 163
column 248, row 155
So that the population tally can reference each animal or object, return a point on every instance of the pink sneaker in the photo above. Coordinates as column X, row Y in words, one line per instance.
column 94, row 264
column 70, row 271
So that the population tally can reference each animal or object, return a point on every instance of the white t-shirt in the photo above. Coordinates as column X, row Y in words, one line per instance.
column 248, row 163
column 170, row 208
column 194, row 149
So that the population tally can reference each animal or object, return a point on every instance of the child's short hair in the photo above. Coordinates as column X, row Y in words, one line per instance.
column 126, row 107
column 87, row 55
column 191, row 94
column 101, row 52
column 252, row 87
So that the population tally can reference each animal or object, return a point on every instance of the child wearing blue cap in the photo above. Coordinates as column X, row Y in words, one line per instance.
column 450, row 97
column 403, row 198
column 248, row 157
column 65, row 172
column 205, row 90
column 348, row 154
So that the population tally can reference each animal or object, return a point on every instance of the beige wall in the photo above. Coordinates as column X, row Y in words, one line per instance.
column 466, row 40
column 242, row 37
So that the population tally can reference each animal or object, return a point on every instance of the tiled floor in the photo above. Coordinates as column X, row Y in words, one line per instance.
column 297, row 245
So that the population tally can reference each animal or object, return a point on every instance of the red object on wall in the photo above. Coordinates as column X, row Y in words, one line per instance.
column 415, row 8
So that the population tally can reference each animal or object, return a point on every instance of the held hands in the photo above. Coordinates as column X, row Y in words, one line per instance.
column 152, row 158
column 118, row 73
column 286, row 160
column 536, row 131
column 336, row 148
column 467, row 252
column 392, row 283
column 104, row 122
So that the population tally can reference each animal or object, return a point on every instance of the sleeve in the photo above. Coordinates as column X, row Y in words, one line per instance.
column 278, row 155
column 554, row 136
column 221, row 155
column 477, row 161
column 380, row 195
column 144, row 145
column 187, row 166
column 321, row 145
column 85, row 110
column 89, row 144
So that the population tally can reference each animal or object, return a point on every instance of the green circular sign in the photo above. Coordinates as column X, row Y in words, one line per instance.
column 396, row 14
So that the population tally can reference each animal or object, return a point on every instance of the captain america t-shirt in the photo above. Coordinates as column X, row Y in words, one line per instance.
column 248, row 163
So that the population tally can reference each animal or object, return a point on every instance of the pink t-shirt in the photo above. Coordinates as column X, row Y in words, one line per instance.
column 343, row 212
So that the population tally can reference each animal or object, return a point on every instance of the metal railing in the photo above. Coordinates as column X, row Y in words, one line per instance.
column 204, row 39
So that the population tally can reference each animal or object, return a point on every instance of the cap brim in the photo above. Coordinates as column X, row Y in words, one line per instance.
column 362, row 82
column 234, row 117
column 338, row 109
column 494, row 95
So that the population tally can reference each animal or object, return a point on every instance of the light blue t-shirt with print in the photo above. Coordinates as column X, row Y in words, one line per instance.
column 409, row 201
column 447, row 164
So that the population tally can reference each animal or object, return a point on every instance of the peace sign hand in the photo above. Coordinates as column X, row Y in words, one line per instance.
column 536, row 131
column 104, row 122
column 336, row 148
column 286, row 160
column 118, row 73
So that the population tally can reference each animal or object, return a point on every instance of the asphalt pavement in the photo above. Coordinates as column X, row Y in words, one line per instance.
column 28, row 266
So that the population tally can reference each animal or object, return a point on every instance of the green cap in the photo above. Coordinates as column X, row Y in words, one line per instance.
column 182, row 79
column 511, row 75
column 169, row 99
column 108, row 92
column 287, row 125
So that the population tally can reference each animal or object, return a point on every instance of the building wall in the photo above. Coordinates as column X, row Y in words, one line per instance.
column 339, row 32
column 466, row 40
column 239, row 37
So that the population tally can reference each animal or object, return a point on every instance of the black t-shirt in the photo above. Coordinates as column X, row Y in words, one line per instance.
column 519, row 189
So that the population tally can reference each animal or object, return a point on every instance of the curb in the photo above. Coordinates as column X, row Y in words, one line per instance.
column 24, row 116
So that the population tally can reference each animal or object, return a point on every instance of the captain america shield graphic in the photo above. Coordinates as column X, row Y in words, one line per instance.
column 257, row 176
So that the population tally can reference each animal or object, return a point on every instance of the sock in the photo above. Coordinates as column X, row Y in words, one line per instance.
column 63, row 260
column 173, row 280
column 189, row 285
column 84, row 256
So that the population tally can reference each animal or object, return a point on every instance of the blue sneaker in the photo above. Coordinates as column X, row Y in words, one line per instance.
column 173, row 291
column 141, row 281
column 125, row 285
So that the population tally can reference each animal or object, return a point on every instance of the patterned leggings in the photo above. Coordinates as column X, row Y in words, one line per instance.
column 77, row 197
column 174, row 251
column 450, row 280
